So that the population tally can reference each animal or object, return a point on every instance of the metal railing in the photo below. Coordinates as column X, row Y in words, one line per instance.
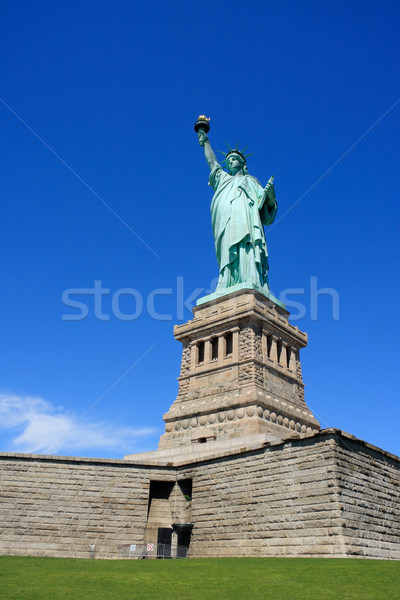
column 152, row 551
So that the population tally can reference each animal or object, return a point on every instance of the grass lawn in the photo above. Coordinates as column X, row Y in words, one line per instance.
column 198, row 579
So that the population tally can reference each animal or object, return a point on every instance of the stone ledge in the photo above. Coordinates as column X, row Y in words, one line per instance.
column 247, row 445
column 344, row 435
column 68, row 459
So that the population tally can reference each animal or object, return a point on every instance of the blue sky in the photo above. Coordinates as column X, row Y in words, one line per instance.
column 103, row 180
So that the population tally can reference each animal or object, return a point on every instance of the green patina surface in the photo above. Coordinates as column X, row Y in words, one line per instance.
column 240, row 209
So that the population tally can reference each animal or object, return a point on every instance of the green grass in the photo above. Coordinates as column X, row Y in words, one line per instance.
column 198, row 579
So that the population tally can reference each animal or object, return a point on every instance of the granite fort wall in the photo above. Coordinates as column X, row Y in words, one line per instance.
column 325, row 495
column 369, row 498
column 278, row 501
column 59, row 507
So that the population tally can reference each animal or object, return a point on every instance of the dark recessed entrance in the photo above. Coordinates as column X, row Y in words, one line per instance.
column 164, row 542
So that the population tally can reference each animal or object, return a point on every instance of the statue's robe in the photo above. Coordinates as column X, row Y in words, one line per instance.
column 238, row 213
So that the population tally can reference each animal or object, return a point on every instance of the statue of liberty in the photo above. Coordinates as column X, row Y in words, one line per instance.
column 239, row 209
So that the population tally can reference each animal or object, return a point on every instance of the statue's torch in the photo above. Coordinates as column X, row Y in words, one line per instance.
column 202, row 124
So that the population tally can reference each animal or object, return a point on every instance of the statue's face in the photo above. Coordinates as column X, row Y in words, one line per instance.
column 234, row 164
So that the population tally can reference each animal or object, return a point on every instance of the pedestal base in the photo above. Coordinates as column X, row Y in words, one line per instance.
column 240, row 374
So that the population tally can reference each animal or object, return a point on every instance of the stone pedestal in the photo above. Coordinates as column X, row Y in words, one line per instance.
column 240, row 374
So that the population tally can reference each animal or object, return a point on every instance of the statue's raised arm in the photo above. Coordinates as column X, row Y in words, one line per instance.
column 208, row 151
column 202, row 127
column 240, row 209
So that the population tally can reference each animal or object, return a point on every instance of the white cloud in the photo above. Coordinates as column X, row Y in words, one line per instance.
column 37, row 426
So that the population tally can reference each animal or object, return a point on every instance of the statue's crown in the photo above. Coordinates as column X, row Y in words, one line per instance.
column 236, row 151
column 242, row 156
